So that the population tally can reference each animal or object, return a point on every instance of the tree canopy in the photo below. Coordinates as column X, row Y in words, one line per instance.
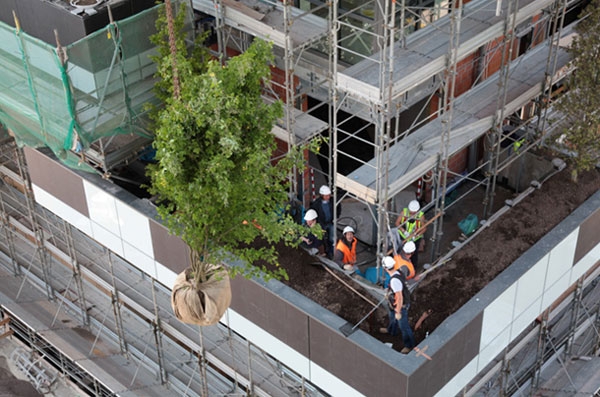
column 217, row 185
column 581, row 103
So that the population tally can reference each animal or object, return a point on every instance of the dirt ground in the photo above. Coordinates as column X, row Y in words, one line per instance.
column 448, row 287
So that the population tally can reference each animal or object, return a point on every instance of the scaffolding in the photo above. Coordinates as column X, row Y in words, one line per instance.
column 87, row 101
column 390, row 75
column 383, row 82
column 105, row 324
column 422, row 68
column 557, row 354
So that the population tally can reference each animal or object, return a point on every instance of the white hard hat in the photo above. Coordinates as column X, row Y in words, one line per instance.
column 409, row 247
column 348, row 229
column 414, row 206
column 388, row 262
column 324, row 190
column 310, row 215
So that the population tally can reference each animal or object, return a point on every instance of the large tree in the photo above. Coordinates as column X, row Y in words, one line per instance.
column 581, row 104
column 217, row 184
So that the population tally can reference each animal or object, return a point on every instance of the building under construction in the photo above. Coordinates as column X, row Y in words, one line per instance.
column 415, row 97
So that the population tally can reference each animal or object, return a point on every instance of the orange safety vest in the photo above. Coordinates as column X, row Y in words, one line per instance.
column 349, row 253
column 400, row 261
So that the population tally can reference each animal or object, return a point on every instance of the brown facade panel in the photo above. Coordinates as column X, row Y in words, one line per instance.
column 270, row 312
column 248, row 299
column 169, row 250
column 286, row 322
column 445, row 363
column 354, row 365
column 56, row 179
column 588, row 236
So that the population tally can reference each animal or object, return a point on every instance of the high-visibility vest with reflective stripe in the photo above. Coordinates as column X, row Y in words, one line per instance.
column 349, row 253
column 400, row 261
column 410, row 227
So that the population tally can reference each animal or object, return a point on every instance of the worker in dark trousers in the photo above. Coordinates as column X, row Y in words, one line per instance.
column 310, row 241
column 398, row 304
column 324, row 207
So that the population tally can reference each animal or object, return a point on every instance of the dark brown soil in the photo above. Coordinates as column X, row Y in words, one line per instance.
column 450, row 286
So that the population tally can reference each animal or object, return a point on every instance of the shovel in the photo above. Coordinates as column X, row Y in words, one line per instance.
column 347, row 329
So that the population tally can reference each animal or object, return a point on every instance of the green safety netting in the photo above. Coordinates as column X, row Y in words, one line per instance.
column 69, row 98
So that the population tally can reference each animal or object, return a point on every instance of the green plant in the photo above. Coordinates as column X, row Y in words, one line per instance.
column 581, row 103
column 217, row 185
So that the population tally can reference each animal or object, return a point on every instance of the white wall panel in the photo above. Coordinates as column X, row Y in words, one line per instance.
column 268, row 343
column 330, row 383
column 522, row 321
column 110, row 240
column 139, row 259
column 561, row 259
column 585, row 263
column 61, row 209
column 165, row 275
column 102, row 207
column 495, row 347
column 498, row 315
column 553, row 292
column 135, row 228
column 530, row 286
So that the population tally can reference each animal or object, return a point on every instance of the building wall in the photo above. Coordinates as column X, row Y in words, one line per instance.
column 36, row 16
column 306, row 337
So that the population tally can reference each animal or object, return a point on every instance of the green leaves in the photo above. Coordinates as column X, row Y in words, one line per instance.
column 581, row 103
column 214, row 177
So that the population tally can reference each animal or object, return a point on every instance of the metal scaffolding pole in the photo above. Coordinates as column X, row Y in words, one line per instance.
column 202, row 362
column 116, row 305
column 541, row 348
column 496, row 135
column 7, row 228
column 576, row 306
column 76, row 273
column 504, row 375
column 336, row 103
column 559, row 8
column 158, row 336
column 383, row 127
column 447, row 114
column 38, row 232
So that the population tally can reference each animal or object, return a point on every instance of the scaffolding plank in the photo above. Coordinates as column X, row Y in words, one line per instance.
column 426, row 50
column 305, row 28
column 576, row 377
column 79, row 343
column 241, row 7
column 119, row 374
column 473, row 116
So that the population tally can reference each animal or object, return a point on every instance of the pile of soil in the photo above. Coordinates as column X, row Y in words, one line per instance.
column 447, row 288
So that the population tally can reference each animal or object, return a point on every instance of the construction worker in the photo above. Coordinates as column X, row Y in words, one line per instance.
column 411, row 227
column 310, row 242
column 324, row 207
column 403, row 259
column 398, row 304
column 345, row 250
